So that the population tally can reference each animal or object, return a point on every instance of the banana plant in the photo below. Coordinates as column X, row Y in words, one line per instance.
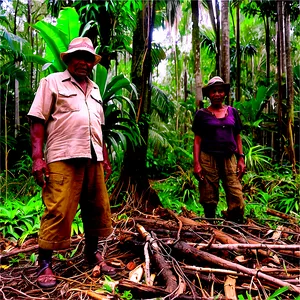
column 57, row 38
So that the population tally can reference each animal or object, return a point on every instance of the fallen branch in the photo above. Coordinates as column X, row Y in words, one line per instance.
column 17, row 251
column 184, row 248
column 282, row 215
column 234, row 247
column 162, row 265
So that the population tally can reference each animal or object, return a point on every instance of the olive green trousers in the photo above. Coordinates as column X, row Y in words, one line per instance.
column 71, row 183
column 224, row 169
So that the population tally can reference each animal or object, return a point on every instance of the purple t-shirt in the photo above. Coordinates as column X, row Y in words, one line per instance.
column 217, row 135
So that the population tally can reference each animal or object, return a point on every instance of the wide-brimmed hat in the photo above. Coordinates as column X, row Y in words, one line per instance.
column 80, row 44
column 215, row 81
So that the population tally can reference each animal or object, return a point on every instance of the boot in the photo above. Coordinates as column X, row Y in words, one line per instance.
column 91, row 247
column 236, row 215
column 209, row 210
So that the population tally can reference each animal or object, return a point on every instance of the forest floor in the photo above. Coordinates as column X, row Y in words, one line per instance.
column 163, row 255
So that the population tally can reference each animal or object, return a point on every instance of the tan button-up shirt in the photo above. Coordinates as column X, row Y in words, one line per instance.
column 72, row 119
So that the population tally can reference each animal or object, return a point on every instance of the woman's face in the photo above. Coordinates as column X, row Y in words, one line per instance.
column 216, row 95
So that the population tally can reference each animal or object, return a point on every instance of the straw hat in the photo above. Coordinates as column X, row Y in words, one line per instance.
column 215, row 81
column 80, row 44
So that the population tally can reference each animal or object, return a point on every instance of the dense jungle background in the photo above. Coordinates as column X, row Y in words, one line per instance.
column 156, row 56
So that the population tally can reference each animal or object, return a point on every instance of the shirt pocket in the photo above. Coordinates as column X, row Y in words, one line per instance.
column 67, row 101
column 95, row 106
column 95, row 95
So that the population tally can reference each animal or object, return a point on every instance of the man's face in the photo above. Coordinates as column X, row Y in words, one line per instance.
column 80, row 64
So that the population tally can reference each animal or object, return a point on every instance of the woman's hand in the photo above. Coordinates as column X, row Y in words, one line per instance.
column 241, row 168
column 198, row 172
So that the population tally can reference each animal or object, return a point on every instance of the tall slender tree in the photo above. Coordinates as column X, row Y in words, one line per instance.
column 280, row 55
column 289, row 89
column 17, row 90
column 196, row 50
column 225, row 48
column 238, row 55
column 214, row 14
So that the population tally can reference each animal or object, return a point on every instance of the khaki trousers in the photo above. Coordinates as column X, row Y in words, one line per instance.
column 224, row 169
column 72, row 182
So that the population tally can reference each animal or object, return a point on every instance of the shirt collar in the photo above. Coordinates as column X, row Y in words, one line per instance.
column 66, row 76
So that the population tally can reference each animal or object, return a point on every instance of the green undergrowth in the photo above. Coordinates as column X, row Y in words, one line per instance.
column 21, row 205
column 278, row 189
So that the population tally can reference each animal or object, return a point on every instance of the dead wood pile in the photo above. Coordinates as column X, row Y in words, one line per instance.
column 168, row 256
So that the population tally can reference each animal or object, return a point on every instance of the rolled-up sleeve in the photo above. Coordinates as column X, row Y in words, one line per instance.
column 43, row 101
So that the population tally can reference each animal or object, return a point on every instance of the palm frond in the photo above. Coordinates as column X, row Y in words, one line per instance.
column 158, row 54
column 161, row 103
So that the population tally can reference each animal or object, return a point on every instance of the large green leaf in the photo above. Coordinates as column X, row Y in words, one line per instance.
column 58, row 37
column 68, row 23
column 121, row 83
column 100, row 77
column 56, row 42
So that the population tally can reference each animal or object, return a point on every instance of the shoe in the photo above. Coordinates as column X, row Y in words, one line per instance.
column 104, row 267
column 45, row 277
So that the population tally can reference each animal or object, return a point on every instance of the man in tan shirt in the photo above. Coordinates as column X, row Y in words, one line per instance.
column 66, row 115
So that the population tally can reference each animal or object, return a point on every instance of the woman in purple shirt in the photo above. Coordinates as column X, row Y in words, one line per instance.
column 218, row 152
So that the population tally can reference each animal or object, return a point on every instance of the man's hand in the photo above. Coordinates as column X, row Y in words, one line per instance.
column 40, row 171
column 107, row 169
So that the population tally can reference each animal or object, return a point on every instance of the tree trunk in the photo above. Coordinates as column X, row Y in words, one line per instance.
column 30, row 39
column 290, row 91
column 17, row 106
column 225, row 54
column 238, row 56
column 17, row 92
column 196, row 50
column 215, row 22
column 218, row 43
column 279, row 44
column 134, row 176
column 268, row 54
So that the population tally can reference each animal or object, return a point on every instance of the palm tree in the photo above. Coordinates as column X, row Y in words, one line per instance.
column 266, row 10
